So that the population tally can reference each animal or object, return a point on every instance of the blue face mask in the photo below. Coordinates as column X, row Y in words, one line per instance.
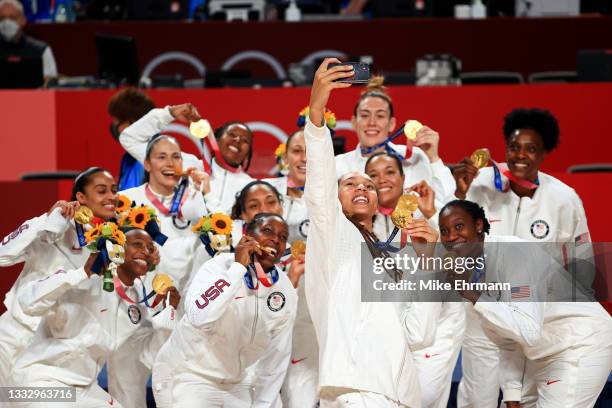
column 8, row 29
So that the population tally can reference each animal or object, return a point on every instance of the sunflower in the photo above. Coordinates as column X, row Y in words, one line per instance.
column 123, row 221
column 92, row 234
column 123, row 203
column 198, row 226
column 119, row 237
column 222, row 224
column 139, row 217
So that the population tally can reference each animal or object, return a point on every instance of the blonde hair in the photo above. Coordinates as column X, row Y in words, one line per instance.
column 376, row 89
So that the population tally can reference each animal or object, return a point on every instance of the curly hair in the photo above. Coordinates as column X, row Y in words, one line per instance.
column 539, row 120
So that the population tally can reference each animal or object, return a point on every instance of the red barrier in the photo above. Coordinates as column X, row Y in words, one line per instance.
column 49, row 130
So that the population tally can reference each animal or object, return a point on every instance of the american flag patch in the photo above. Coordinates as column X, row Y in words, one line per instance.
column 519, row 292
column 582, row 238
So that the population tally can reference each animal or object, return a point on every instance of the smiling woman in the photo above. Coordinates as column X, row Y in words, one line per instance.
column 522, row 201
column 232, row 150
column 71, row 301
column 244, row 299
column 382, row 374
column 46, row 243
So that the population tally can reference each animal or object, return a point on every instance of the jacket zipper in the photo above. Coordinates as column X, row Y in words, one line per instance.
column 255, row 319
column 223, row 185
column 399, row 374
column 518, row 212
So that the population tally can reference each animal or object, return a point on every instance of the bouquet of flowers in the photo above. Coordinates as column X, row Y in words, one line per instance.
column 215, row 231
column 109, row 242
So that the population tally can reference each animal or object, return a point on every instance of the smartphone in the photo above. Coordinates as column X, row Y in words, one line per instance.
column 362, row 72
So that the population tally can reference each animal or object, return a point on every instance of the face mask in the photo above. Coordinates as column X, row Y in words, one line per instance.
column 8, row 29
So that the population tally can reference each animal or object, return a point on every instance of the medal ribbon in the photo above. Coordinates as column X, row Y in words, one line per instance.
column 386, row 246
column 178, row 200
column 292, row 185
column 385, row 210
column 499, row 171
column 80, row 234
column 214, row 146
column 478, row 274
column 256, row 269
column 368, row 150
column 121, row 292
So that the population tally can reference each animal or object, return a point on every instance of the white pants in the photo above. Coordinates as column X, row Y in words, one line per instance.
column 186, row 390
column 358, row 399
column 572, row 378
column 86, row 397
column 300, row 387
column 479, row 386
column 14, row 338
column 127, row 376
column 435, row 366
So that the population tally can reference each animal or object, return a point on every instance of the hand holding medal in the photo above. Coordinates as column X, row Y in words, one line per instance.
column 480, row 158
column 82, row 216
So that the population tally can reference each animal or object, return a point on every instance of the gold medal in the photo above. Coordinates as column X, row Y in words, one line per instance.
column 402, row 214
column 83, row 215
column 480, row 157
column 298, row 248
column 161, row 283
column 411, row 128
column 200, row 129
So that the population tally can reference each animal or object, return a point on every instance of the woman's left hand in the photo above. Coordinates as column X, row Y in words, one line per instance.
column 296, row 270
column 201, row 179
column 428, row 140
column 426, row 198
column 175, row 297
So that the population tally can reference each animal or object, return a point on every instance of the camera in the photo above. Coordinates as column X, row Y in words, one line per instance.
column 362, row 72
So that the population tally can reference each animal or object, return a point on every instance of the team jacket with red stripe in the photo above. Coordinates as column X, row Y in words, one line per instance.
column 223, row 184
column 82, row 325
column 228, row 328
column 362, row 346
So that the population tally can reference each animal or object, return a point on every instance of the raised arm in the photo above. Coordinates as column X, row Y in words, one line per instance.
column 321, row 189
column 135, row 137
column 48, row 228
column 39, row 296
column 214, row 287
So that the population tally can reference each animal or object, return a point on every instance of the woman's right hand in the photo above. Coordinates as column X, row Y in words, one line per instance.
column 68, row 208
column 322, row 86
column 464, row 173
column 185, row 113
column 245, row 248
column 90, row 262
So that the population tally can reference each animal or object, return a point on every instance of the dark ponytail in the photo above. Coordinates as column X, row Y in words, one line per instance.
column 371, row 239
